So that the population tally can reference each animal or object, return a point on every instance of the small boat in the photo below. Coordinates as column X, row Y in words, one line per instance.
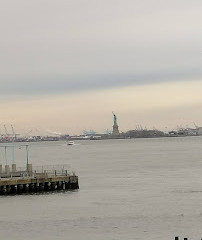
column 70, row 143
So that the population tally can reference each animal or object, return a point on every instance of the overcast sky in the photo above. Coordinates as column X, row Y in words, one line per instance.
column 71, row 50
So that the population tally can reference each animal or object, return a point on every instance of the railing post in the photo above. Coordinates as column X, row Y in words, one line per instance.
column 6, row 155
column 7, row 169
column 14, row 167
column 13, row 154
column 27, row 154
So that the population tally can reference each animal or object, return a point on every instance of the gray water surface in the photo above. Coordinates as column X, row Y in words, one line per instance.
column 129, row 189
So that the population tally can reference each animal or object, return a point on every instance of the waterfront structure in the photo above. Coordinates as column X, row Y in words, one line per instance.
column 28, row 181
column 34, row 179
column 199, row 131
column 115, row 131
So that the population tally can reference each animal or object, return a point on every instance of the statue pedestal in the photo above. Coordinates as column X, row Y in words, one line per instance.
column 115, row 130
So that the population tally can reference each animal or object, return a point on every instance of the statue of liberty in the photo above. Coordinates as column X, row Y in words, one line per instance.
column 115, row 119
column 115, row 126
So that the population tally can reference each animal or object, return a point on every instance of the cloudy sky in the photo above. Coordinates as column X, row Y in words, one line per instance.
column 66, row 65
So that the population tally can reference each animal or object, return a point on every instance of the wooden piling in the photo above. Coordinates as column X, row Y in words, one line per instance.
column 59, row 185
column 8, row 189
column 41, row 186
column 53, row 185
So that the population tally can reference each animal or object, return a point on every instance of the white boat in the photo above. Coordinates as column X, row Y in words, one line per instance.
column 70, row 143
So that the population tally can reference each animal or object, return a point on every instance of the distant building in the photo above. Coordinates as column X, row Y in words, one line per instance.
column 144, row 133
column 199, row 131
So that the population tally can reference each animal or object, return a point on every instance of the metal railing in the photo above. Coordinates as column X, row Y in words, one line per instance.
column 45, row 170
column 48, row 168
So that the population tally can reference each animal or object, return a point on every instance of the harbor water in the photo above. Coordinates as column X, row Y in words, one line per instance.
column 129, row 189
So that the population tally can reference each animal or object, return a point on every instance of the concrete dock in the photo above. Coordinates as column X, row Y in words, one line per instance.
column 40, row 180
column 30, row 179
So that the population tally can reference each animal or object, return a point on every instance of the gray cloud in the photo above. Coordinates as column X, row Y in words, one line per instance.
column 68, row 85
column 48, row 46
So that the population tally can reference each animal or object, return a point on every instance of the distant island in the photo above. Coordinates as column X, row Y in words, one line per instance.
column 139, row 132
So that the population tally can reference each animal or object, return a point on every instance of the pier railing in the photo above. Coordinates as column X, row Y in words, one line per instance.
column 48, row 168
column 52, row 170
column 37, row 171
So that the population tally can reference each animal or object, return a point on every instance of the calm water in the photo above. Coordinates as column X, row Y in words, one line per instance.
column 129, row 189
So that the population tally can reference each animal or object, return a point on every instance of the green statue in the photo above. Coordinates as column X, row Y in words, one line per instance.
column 115, row 119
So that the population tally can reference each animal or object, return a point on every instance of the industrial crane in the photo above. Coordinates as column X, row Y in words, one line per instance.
column 14, row 134
column 195, row 125
column 7, row 134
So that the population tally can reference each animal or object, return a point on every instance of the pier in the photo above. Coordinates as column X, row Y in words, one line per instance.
column 32, row 179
